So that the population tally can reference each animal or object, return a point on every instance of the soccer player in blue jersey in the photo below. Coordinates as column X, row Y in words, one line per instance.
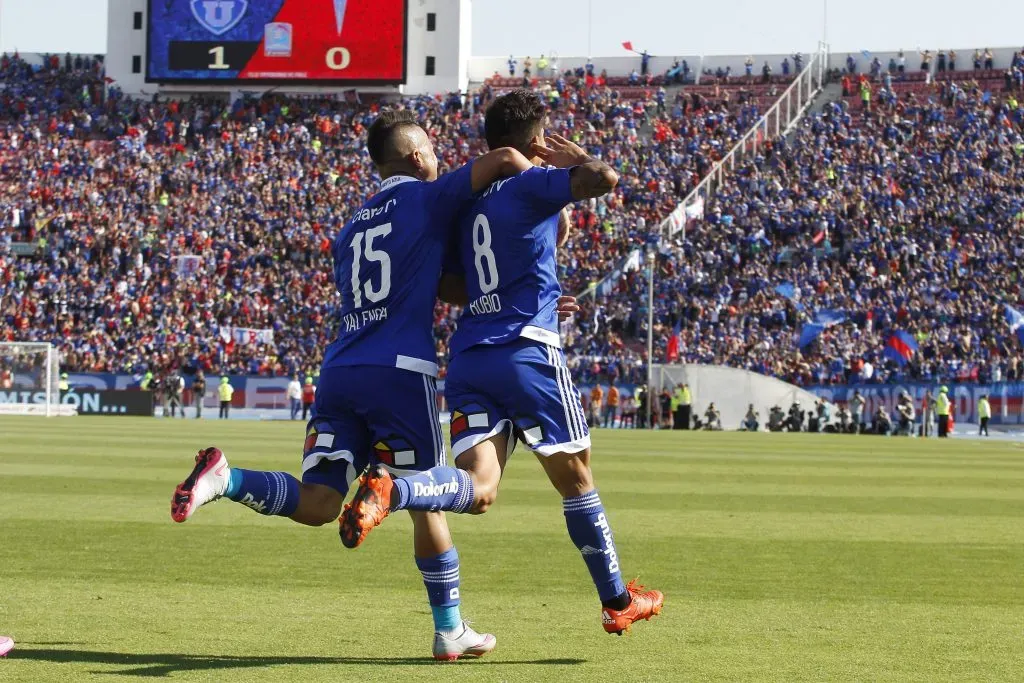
column 376, row 401
column 507, row 379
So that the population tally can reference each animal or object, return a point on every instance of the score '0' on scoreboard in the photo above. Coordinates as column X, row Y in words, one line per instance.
column 278, row 41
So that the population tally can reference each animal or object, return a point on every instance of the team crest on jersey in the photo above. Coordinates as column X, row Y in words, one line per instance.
column 219, row 16
column 395, row 451
column 469, row 417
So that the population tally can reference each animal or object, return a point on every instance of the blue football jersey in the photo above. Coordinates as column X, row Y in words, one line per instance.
column 387, row 261
column 507, row 252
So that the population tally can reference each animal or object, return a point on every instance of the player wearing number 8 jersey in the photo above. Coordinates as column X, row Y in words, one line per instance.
column 376, row 400
column 507, row 379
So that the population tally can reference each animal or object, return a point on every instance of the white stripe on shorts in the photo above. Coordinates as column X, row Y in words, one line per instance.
column 573, row 397
column 435, row 424
column 570, row 418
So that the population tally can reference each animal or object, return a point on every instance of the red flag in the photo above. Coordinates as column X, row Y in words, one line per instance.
column 628, row 45
column 672, row 348
column 819, row 237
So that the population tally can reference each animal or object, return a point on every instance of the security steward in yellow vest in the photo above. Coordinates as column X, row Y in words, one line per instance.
column 224, row 392
column 984, row 414
column 942, row 405
column 682, row 402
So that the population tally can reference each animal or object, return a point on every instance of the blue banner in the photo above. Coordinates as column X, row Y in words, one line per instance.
column 1007, row 398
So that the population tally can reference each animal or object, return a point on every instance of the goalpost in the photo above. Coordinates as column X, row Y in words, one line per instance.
column 30, row 380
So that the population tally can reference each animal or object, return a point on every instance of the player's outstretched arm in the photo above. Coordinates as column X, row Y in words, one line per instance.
column 498, row 163
column 564, row 228
column 589, row 177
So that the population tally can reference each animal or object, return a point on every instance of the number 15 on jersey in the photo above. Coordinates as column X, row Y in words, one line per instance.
column 363, row 249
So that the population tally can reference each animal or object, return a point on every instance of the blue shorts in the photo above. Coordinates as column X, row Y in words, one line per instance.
column 522, row 387
column 366, row 414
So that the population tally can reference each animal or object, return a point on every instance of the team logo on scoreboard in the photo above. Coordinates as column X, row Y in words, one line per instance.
column 277, row 39
column 218, row 16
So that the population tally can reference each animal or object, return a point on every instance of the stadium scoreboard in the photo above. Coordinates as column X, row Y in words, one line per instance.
column 277, row 41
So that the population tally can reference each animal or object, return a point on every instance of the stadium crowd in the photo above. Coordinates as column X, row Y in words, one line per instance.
column 112, row 191
column 903, row 213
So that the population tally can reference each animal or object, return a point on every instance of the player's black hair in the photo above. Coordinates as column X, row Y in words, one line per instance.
column 514, row 119
column 380, row 139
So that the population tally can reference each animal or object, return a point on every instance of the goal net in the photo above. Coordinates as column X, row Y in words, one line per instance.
column 30, row 380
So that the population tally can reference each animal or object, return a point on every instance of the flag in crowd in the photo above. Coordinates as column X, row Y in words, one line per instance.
column 246, row 335
column 1016, row 320
column 672, row 350
column 824, row 319
column 900, row 347
column 187, row 265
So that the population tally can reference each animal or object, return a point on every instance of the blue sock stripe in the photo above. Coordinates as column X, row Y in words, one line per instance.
column 588, row 507
column 282, row 485
column 440, row 572
column 464, row 501
column 440, row 578
column 277, row 481
column 588, row 502
column 582, row 505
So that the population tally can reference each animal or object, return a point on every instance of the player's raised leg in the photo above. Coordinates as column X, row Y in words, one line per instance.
column 268, row 493
column 335, row 444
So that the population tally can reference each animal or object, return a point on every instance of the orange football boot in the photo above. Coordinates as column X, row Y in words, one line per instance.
column 370, row 505
column 644, row 604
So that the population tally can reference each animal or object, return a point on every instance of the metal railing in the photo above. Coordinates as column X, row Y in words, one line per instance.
column 778, row 120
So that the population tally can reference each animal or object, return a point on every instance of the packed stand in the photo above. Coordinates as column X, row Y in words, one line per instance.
column 903, row 213
column 109, row 192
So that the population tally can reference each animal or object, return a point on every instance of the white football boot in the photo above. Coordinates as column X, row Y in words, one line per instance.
column 469, row 643
column 207, row 483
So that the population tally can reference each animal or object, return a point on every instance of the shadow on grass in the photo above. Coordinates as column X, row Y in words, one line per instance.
column 165, row 664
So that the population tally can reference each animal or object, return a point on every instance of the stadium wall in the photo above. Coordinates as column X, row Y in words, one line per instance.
column 124, row 42
column 731, row 389
column 482, row 68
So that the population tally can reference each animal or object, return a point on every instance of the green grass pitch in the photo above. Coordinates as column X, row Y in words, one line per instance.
column 783, row 558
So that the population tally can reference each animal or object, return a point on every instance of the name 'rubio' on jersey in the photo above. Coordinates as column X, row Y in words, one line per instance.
column 506, row 249
column 387, row 261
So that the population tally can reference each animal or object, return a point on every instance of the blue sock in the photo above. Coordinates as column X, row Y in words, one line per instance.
column 441, row 577
column 268, row 493
column 439, row 488
column 590, row 531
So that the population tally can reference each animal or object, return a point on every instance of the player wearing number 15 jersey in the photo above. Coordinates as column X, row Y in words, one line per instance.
column 376, row 400
column 507, row 379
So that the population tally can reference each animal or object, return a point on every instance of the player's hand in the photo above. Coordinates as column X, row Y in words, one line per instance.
column 566, row 307
column 559, row 152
